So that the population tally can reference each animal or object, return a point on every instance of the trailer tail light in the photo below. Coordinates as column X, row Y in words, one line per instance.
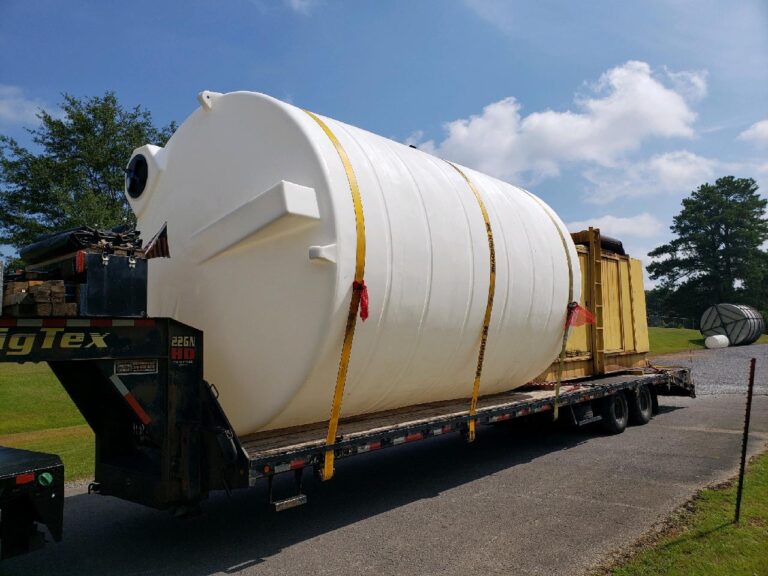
column 25, row 478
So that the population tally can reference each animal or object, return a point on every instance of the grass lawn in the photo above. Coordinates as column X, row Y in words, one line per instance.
column 668, row 340
column 701, row 540
column 73, row 444
column 36, row 413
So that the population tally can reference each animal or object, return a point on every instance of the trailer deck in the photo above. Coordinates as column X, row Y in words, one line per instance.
column 276, row 451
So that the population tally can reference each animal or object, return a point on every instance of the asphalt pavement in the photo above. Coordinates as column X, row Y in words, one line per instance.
column 520, row 500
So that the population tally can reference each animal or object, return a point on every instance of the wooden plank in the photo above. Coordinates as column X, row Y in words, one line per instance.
column 611, row 306
column 596, row 291
column 14, row 298
column 578, row 340
column 638, row 306
column 625, row 297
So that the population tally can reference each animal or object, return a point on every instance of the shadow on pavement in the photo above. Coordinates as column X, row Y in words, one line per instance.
column 104, row 535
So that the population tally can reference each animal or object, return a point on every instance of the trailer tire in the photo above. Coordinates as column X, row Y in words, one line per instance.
column 654, row 401
column 614, row 413
column 640, row 403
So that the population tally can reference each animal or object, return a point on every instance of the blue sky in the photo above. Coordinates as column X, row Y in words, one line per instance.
column 610, row 111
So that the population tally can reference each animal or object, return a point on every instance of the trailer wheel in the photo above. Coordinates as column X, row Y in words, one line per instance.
column 640, row 405
column 615, row 414
column 654, row 401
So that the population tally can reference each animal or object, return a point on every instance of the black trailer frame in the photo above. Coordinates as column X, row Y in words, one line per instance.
column 162, row 439
column 31, row 492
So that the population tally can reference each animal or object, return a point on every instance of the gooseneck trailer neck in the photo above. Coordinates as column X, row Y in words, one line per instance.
column 161, row 437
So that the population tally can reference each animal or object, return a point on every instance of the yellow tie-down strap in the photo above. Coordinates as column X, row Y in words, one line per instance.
column 358, row 288
column 561, row 358
column 488, row 304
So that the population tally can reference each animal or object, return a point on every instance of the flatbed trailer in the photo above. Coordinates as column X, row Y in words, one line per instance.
column 163, row 440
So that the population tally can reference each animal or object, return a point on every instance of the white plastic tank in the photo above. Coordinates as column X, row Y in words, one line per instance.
column 262, row 236
column 716, row 341
column 741, row 324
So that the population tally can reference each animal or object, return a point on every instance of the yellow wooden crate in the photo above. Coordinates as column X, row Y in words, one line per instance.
column 612, row 289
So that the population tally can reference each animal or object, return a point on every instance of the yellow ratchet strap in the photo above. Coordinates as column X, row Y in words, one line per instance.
column 488, row 305
column 354, row 304
column 561, row 359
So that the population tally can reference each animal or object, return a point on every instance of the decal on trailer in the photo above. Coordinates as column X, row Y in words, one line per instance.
column 123, row 367
column 22, row 343
column 183, row 350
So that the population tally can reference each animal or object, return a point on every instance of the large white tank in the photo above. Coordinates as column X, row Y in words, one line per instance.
column 262, row 235
column 740, row 323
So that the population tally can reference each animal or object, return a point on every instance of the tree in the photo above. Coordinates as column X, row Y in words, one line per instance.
column 76, row 177
column 716, row 255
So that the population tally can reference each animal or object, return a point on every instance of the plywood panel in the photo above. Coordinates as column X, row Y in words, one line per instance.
column 638, row 306
column 578, row 341
column 611, row 306
column 625, row 294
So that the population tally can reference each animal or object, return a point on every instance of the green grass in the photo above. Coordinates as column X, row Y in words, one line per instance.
column 31, row 398
column 37, row 414
column 701, row 540
column 74, row 445
column 670, row 340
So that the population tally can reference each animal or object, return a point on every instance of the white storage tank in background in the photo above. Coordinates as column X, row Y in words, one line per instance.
column 741, row 324
column 262, row 236
column 716, row 341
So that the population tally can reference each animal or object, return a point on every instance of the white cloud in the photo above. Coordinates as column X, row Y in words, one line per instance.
column 757, row 133
column 677, row 172
column 626, row 106
column 690, row 84
column 303, row 7
column 643, row 225
column 16, row 108
column 497, row 13
column 414, row 138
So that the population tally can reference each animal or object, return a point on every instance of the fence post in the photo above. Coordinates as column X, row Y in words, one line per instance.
column 744, row 439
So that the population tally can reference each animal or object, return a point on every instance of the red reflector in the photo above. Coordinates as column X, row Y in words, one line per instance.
column 80, row 262
column 414, row 436
column 25, row 478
